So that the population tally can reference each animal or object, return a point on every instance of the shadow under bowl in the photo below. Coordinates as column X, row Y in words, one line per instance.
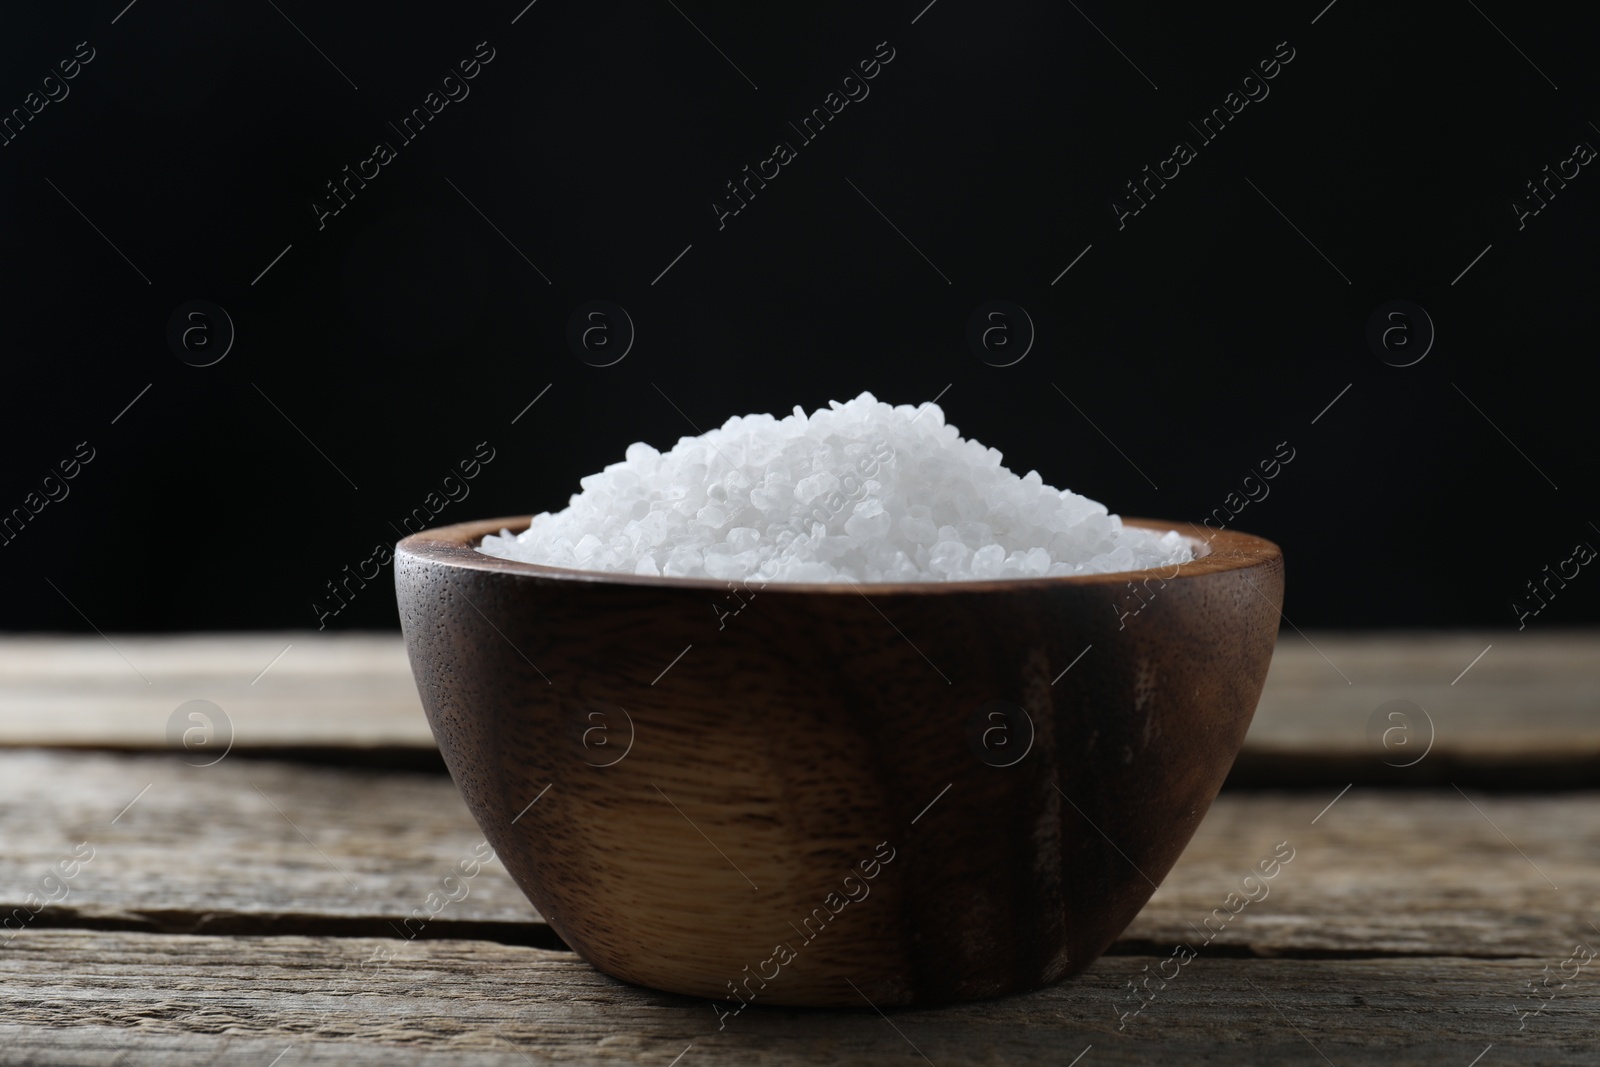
column 819, row 794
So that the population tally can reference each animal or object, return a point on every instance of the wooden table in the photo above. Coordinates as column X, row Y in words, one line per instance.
column 252, row 911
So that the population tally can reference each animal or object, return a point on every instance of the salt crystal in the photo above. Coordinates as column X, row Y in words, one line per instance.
column 744, row 539
column 868, row 522
column 987, row 561
column 808, row 489
column 857, row 491
column 918, row 530
column 948, row 558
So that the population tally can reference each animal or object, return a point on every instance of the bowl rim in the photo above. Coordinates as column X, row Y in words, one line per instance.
column 456, row 546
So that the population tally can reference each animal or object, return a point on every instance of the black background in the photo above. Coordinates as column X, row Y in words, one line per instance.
column 411, row 327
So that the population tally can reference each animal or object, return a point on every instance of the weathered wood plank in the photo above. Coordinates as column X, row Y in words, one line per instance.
column 204, row 849
column 1531, row 698
column 286, row 845
column 73, row 997
column 350, row 690
column 1385, row 871
column 1530, row 694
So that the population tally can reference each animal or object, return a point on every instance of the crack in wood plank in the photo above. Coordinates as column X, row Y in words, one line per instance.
column 1381, row 874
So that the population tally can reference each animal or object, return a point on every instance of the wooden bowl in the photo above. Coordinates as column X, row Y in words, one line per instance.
column 895, row 793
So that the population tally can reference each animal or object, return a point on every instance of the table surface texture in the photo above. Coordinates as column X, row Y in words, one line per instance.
column 251, row 911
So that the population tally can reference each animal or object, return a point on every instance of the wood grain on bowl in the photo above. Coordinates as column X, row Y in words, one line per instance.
column 898, row 793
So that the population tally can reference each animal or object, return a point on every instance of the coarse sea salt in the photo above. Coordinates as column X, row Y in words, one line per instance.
column 859, row 491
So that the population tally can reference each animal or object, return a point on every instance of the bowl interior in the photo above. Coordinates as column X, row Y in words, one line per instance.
column 1215, row 550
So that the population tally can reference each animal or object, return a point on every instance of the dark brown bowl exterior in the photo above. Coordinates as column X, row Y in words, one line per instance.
column 819, row 800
